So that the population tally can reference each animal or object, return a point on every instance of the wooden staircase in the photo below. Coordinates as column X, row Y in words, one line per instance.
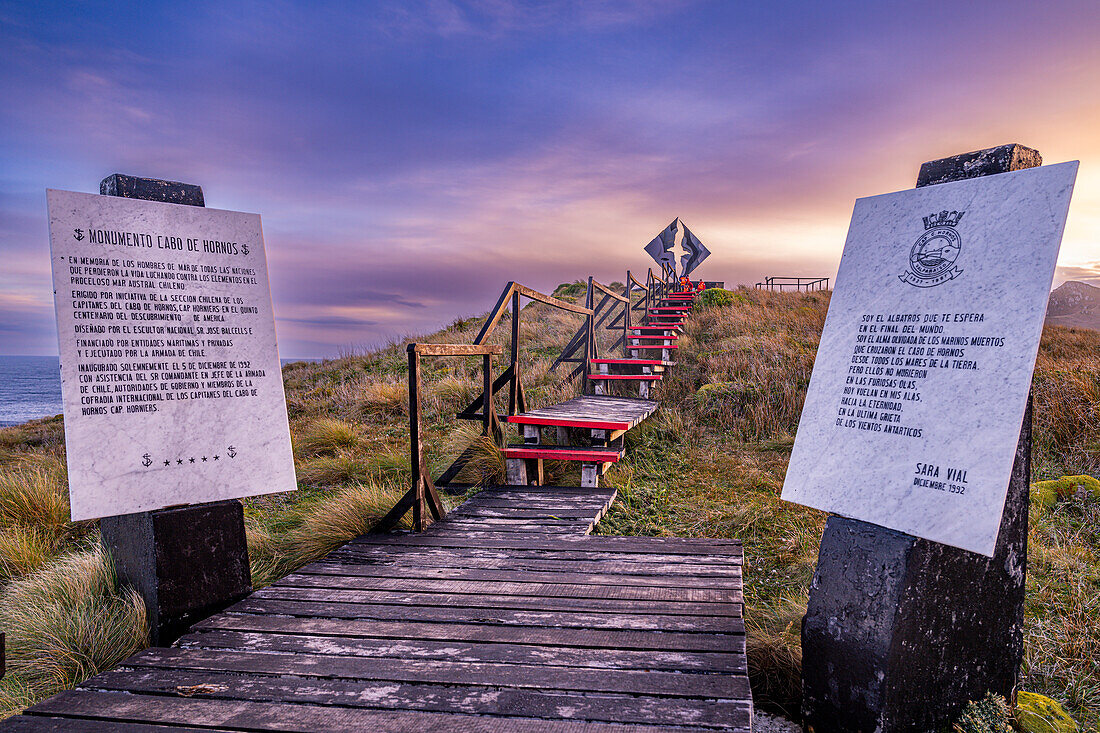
column 601, row 419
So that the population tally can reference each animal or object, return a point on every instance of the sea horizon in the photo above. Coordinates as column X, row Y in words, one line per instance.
column 30, row 386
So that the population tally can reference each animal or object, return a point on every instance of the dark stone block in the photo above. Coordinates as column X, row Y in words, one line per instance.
column 152, row 189
column 988, row 162
column 186, row 562
column 900, row 632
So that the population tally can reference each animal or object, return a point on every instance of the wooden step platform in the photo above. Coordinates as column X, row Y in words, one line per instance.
column 637, row 377
column 503, row 617
column 634, row 362
column 591, row 411
column 564, row 453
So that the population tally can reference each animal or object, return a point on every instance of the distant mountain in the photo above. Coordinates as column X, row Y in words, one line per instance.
column 1074, row 304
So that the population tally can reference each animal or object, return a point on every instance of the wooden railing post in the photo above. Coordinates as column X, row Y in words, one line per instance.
column 487, row 403
column 415, row 439
column 513, row 385
column 626, row 316
column 589, row 322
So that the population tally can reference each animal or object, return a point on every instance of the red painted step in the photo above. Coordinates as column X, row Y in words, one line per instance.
column 652, row 346
column 565, row 453
column 637, row 337
column 634, row 377
column 652, row 328
column 640, row 362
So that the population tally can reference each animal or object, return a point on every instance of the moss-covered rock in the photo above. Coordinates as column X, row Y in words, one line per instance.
column 712, row 297
column 737, row 392
column 1048, row 493
column 1036, row 713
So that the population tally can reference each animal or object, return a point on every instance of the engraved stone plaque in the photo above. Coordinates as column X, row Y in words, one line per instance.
column 170, row 373
column 919, row 387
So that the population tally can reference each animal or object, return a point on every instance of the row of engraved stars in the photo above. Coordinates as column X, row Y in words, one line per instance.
column 189, row 460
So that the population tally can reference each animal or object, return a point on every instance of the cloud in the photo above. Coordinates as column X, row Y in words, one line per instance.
column 409, row 159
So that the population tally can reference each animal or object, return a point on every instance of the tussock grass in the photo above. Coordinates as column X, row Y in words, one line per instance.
column 67, row 622
column 325, row 436
column 773, row 638
column 334, row 470
column 314, row 528
column 34, row 494
column 485, row 465
column 25, row 549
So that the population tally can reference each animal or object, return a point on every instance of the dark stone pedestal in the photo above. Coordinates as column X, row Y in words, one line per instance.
column 186, row 562
column 900, row 632
column 152, row 189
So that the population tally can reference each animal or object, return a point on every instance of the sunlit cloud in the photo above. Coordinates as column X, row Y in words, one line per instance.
column 408, row 159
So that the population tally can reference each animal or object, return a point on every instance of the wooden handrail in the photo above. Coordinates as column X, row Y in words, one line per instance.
column 502, row 303
column 609, row 291
column 634, row 280
column 550, row 300
column 457, row 349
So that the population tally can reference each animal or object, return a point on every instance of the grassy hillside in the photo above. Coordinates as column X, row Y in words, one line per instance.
column 711, row 463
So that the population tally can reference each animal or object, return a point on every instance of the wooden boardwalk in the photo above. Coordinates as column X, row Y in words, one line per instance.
column 505, row 616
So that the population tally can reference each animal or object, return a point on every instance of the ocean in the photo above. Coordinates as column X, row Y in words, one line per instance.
column 30, row 387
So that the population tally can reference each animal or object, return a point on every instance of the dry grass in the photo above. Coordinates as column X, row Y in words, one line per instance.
column 65, row 623
column 711, row 463
column 309, row 531
column 325, row 436
column 729, row 412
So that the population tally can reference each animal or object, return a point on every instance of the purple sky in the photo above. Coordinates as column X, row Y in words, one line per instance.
column 409, row 158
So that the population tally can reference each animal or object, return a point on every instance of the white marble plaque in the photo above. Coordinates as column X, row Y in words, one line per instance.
column 919, row 387
column 170, row 375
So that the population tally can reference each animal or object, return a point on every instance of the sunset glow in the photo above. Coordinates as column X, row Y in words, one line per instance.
column 409, row 158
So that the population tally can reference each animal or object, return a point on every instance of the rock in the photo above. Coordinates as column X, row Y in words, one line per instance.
column 1048, row 493
column 1036, row 713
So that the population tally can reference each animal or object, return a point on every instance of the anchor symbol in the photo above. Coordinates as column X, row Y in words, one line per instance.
column 244, row 249
column 232, row 452
column 147, row 461
column 78, row 234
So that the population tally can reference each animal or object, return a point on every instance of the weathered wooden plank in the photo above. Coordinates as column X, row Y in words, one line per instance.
column 51, row 724
column 480, row 511
column 733, row 662
column 548, row 590
column 526, row 524
column 701, row 563
column 591, row 638
column 434, row 698
column 457, row 349
column 263, row 716
column 576, row 577
column 590, row 543
column 541, row 677
column 505, row 617
column 591, row 411
column 486, row 600
column 536, row 560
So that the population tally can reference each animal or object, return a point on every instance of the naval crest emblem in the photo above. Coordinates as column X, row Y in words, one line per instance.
column 932, row 257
